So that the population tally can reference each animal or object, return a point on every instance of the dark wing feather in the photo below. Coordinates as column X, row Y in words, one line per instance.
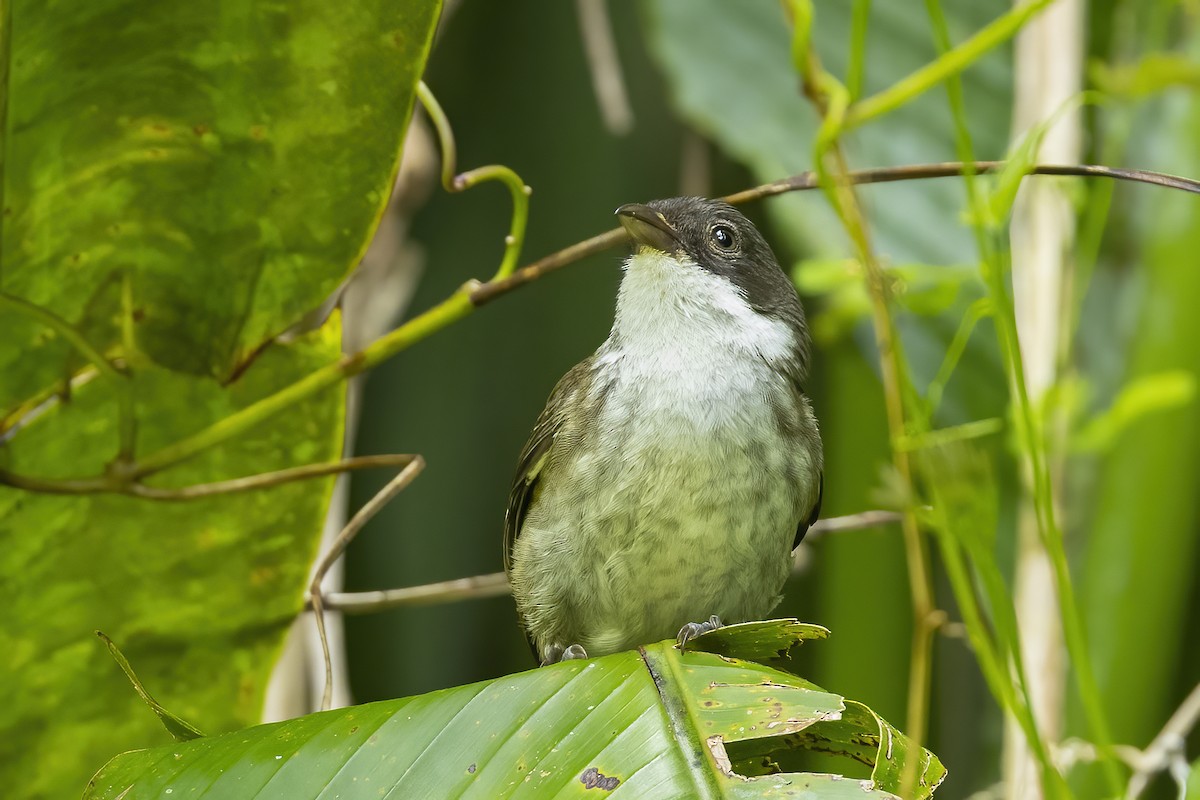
column 803, row 527
column 529, row 467
column 536, row 453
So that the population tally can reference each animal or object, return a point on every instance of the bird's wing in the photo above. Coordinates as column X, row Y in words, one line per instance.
column 536, row 454
column 805, row 524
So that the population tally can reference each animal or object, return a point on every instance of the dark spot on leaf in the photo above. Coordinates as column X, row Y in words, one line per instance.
column 139, row 314
column 258, row 132
column 593, row 778
column 355, row 728
column 471, row 769
column 200, row 130
column 708, row 703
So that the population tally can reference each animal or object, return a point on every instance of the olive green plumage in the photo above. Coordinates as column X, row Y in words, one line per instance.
column 672, row 472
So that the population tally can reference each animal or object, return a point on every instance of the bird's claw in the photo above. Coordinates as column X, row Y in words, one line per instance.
column 553, row 653
column 693, row 629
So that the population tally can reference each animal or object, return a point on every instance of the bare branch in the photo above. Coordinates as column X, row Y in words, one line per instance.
column 808, row 180
column 495, row 584
column 199, row 490
column 1166, row 749
column 343, row 539
column 604, row 65
column 474, row 294
column 853, row 522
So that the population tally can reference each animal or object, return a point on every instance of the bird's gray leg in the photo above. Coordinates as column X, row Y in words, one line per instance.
column 553, row 653
column 693, row 629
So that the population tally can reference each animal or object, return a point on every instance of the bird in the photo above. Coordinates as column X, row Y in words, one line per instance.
column 673, row 472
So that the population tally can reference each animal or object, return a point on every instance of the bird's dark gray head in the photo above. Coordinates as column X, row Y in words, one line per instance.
column 720, row 240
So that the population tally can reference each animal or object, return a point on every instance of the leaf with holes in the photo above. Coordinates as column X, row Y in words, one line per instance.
column 652, row 723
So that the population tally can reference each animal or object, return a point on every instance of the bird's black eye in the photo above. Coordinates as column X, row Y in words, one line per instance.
column 722, row 236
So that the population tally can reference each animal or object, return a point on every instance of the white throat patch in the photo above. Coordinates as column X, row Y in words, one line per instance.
column 668, row 303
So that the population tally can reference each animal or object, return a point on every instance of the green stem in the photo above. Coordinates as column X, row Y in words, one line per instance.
column 1052, row 781
column 476, row 294
column 122, row 385
column 992, row 665
column 1033, row 452
column 831, row 100
column 454, row 308
column 951, row 63
column 859, row 20
column 958, row 345
column 495, row 172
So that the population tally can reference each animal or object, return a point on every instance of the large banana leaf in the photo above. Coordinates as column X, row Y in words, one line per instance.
column 651, row 723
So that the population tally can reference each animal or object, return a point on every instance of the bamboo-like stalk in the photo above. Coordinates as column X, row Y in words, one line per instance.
column 1049, row 64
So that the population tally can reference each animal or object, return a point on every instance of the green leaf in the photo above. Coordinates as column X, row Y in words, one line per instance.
column 180, row 184
column 649, row 723
column 763, row 641
column 1143, row 395
column 924, row 289
column 179, row 728
column 1154, row 73
column 199, row 594
column 225, row 161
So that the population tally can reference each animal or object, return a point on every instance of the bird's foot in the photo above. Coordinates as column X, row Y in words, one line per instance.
column 693, row 629
column 553, row 653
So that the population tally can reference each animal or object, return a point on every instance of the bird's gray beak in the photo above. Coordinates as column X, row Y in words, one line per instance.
column 648, row 227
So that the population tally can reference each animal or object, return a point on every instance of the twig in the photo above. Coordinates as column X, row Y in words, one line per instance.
column 486, row 292
column 955, row 169
column 474, row 294
column 806, row 181
column 120, row 379
column 604, row 65
column 495, row 584
column 343, row 539
column 1166, row 749
column 199, row 490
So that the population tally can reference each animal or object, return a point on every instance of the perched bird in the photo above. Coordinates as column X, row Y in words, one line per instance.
column 674, row 471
